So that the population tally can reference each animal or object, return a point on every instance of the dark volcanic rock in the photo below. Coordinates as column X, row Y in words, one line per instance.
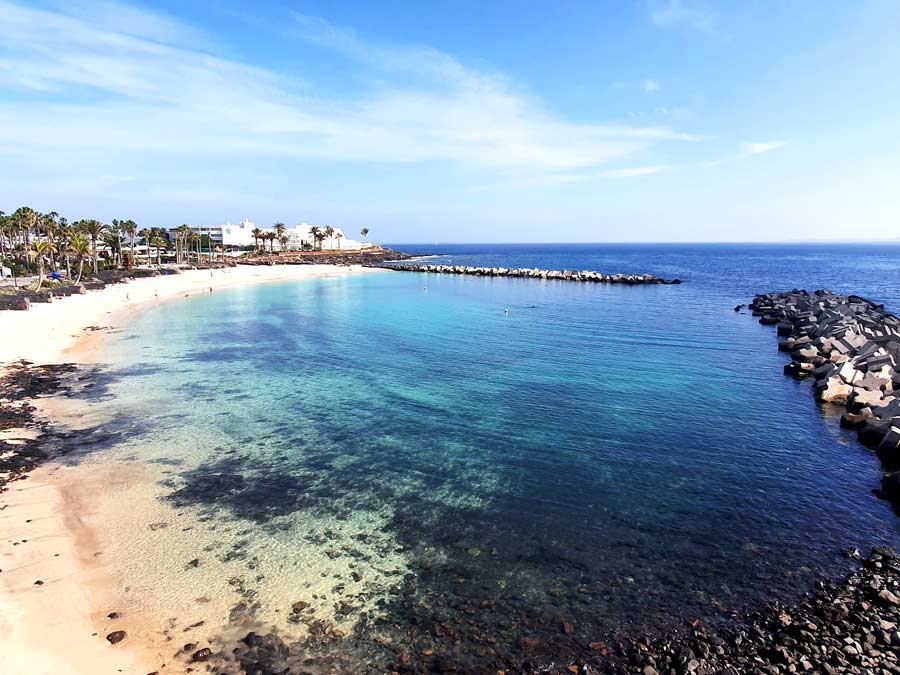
column 366, row 257
column 202, row 654
column 116, row 637
column 850, row 346
column 525, row 273
column 20, row 383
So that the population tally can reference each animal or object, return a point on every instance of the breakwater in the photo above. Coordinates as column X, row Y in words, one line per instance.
column 850, row 346
column 531, row 273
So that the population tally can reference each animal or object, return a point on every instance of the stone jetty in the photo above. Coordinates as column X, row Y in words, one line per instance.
column 850, row 346
column 531, row 273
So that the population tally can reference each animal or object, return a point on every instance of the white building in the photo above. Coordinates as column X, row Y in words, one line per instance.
column 301, row 234
column 237, row 235
column 229, row 235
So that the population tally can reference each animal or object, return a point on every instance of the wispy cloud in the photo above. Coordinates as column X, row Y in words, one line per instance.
column 651, row 86
column 749, row 149
column 111, row 83
column 677, row 13
column 759, row 148
column 608, row 174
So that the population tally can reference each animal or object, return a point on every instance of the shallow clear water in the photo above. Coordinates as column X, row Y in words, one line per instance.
column 616, row 456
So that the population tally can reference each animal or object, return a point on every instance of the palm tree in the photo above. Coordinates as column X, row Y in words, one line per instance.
column 314, row 231
column 183, row 234
column 145, row 235
column 329, row 231
column 81, row 247
column 39, row 250
column 364, row 232
column 3, row 231
column 63, row 236
column 257, row 235
column 190, row 241
column 113, row 239
column 8, row 231
column 158, row 242
column 338, row 237
column 279, row 232
column 47, row 221
column 94, row 229
column 132, row 227
column 271, row 236
column 25, row 219
column 283, row 240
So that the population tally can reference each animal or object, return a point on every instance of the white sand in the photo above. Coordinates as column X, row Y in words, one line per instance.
column 59, row 627
column 47, row 332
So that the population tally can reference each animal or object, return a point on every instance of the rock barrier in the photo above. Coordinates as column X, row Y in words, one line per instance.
column 531, row 273
column 850, row 347
column 369, row 258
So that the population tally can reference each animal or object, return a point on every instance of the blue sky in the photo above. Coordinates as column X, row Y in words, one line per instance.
column 645, row 120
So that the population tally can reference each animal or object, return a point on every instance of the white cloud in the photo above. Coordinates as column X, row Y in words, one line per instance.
column 122, row 85
column 651, row 86
column 634, row 172
column 676, row 13
column 748, row 149
column 560, row 179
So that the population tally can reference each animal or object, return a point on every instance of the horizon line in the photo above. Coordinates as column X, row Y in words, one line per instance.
column 895, row 241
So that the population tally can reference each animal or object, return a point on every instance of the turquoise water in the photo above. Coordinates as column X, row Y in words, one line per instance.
column 622, row 458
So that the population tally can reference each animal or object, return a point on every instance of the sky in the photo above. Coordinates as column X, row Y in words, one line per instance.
column 458, row 121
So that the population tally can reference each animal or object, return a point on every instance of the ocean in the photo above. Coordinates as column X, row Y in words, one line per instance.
column 423, row 471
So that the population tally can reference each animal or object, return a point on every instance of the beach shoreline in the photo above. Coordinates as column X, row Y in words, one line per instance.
column 57, row 599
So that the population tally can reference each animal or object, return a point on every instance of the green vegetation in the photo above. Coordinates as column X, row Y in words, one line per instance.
column 48, row 244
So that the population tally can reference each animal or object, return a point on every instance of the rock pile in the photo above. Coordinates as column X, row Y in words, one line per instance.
column 368, row 258
column 533, row 273
column 849, row 626
column 850, row 346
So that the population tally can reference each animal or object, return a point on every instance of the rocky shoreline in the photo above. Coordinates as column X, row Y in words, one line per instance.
column 850, row 347
column 371, row 258
column 848, row 626
column 25, row 436
column 531, row 273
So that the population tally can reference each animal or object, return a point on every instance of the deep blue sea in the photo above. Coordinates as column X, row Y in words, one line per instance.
column 619, row 457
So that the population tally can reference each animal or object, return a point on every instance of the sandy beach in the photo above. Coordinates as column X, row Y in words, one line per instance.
column 55, row 604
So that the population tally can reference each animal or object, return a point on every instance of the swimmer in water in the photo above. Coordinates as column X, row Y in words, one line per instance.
column 506, row 311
